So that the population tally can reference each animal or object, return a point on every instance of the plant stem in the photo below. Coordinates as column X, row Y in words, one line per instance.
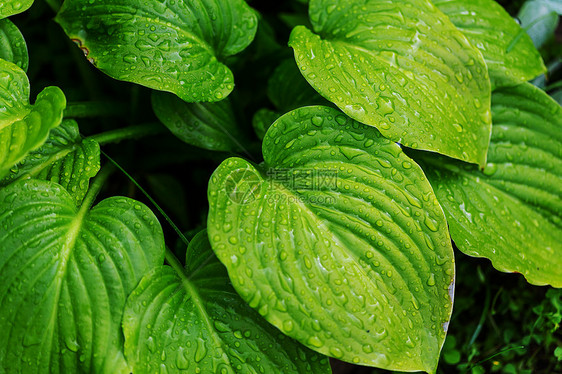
column 54, row 5
column 96, row 186
column 174, row 262
column 131, row 132
column 482, row 318
column 553, row 86
column 90, row 109
column 166, row 217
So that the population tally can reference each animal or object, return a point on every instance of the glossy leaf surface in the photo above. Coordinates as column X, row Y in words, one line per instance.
column 508, row 50
column 402, row 67
column 65, row 158
column 12, row 44
column 338, row 240
column 511, row 212
column 206, row 125
column 10, row 7
column 24, row 127
column 192, row 320
column 175, row 46
column 66, row 273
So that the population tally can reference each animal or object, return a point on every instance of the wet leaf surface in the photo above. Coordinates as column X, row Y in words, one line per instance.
column 192, row 319
column 511, row 212
column 338, row 240
column 402, row 67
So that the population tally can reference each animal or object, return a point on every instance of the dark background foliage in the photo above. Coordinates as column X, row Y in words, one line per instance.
column 500, row 323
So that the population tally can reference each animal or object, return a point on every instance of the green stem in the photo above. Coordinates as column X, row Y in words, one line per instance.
column 89, row 109
column 494, row 355
column 166, row 217
column 553, row 86
column 482, row 318
column 96, row 185
column 54, row 5
column 175, row 263
column 131, row 132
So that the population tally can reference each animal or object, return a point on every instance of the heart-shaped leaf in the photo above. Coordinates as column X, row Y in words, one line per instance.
column 191, row 319
column 210, row 126
column 65, row 158
column 338, row 240
column 175, row 46
column 511, row 212
column 66, row 274
column 10, row 7
column 508, row 50
column 24, row 127
column 402, row 67
column 12, row 44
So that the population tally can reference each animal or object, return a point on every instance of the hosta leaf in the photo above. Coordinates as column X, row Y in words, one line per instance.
column 191, row 319
column 10, row 7
column 211, row 126
column 508, row 50
column 511, row 212
column 65, row 158
column 24, row 127
column 338, row 240
column 288, row 90
column 402, row 67
column 176, row 46
column 66, row 273
column 12, row 44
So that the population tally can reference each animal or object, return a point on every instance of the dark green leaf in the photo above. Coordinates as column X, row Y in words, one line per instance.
column 12, row 44
column 511, row 212
column 175, row 46
column 191, row 319
column 65, row 158
column 262, row 119
column 24, row 127
column 509, row 52
column 210, row 126
column 66, row 273
column 402, row 67
column 288, row 90
column 338, row 240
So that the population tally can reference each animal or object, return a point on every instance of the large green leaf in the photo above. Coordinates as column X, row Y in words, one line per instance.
column 173, row 45
column 24, row 127
column 508, row 50
column 65, row 158
column 66, row 273
column 191, row 319
column 511, row 212
column 12, row 44
column 10, row 7
column 210, row 126
column 402, row 67
column 338, row 240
